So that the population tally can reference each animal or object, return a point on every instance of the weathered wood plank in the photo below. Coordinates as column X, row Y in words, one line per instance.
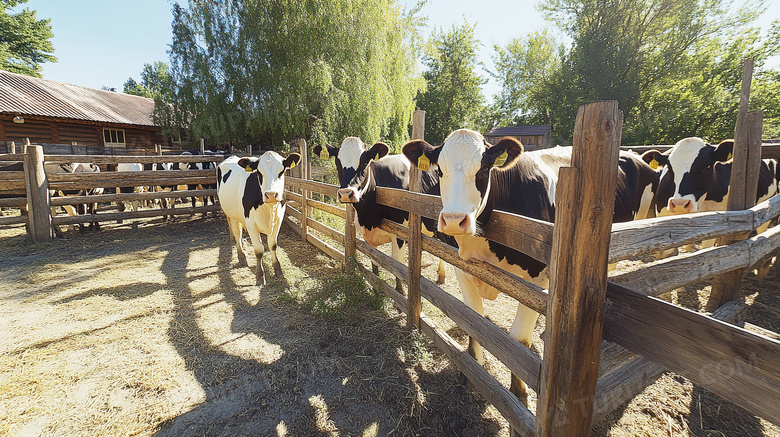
column 349, row 237
column 37, row 186
column 6, row 157
column 139, row 159
column 520, row 360
column 12, row 202
column 327, row 207
column 585, row 199
column 104, row 217
column 641, row 236
column 13, row 220
column 130, row 182
column 293, row 212
column 414, row 260
column 329, row 232
column 146, row 176
column 520, row 419
column 127, row 197
column 294, row 226
column 732, row 362
column 8, row 185
column 289, row 195
column 766, row 210
column 326, row 248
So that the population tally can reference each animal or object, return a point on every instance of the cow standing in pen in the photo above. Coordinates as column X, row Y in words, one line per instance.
column 360, row 172
column 477, row 179
column 251, row 194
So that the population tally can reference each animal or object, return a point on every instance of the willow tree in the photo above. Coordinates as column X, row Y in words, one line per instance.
column 267, row 71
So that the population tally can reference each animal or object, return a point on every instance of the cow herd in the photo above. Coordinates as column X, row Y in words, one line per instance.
column 474, row 178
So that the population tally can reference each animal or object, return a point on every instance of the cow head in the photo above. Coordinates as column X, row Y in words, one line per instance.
column 270, row 168
column 688, row 174
column 353, row 166
column 464, row 163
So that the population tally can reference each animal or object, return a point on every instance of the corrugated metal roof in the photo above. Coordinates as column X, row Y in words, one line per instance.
column 516, row 131
column 35, row 96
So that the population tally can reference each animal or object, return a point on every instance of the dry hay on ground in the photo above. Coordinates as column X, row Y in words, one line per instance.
column 156, row 331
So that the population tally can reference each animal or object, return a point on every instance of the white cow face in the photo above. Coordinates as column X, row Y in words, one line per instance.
column 270, row 168
column 689, row 173
column 464, row 162
column 352, row 163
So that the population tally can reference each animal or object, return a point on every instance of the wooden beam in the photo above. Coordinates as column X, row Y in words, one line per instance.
column 127, row 197
column 585, row 201
column 38, row 199
column 105, row 217
column 129, row 159
column 414, row 263
column 739, row 365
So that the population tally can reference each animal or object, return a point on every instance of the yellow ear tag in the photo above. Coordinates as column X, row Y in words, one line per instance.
column 500, row 159
column 324, row 153
column 423, row 163
column 248, row 169
column 653, row 164
column 292, row 164
column 376, row 158
column 728, row 157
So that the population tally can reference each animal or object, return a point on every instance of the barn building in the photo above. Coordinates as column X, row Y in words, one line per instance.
column 61, row 115
column 532, row 137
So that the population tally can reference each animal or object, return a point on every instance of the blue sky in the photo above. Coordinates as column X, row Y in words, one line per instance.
column 104, row 42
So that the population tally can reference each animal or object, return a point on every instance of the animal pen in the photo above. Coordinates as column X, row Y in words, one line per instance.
column 606, row 338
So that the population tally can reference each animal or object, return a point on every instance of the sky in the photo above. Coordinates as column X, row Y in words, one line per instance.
column 104, row 42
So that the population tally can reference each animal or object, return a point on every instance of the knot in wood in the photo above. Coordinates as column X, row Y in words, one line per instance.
column 608, row 125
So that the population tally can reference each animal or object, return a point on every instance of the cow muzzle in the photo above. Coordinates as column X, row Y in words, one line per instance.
column 347, row 195
column 680, row 206
column 455, row 223
column 271, row 197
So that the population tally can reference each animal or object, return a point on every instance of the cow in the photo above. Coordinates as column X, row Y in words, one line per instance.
column 200, row 166
column 135, row 166
column 360, row 172
column 477, row 179
column 695, row 177
column 251, row 194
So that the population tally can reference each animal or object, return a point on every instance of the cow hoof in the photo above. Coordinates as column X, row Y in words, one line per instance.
column 440, row 281
column 242, row 263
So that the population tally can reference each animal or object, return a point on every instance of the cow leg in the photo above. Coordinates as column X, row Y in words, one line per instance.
column 398, row 255
column 473, row 300
column 235, row 231
column 442, row 272
column 522, row 330
column 257, row 244
column 274, row 259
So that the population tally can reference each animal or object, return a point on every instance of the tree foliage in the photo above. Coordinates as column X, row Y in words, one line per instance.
column 674, row 66
column 25, row 41
column 248, row 71
column 453, row 98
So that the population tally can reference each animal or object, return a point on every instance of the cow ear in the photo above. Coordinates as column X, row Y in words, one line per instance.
column 291, row 160
column 247, row 164
column 421, row 154
column 325, row 152
column 377, row 151
column 503, row 155
column 655, row 159
column 724, row 151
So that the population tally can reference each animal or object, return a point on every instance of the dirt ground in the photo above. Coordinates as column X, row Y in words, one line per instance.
column 156, row 331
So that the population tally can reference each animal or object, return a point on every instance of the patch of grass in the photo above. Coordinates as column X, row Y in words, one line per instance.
column 417, row 349
column 343, row 297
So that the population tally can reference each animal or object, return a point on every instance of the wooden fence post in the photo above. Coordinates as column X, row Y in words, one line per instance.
column 745, row 168
column 38, row 198
column 74, row 147
column 585, row 200
column 202, row 146
column 249, row 150
column 415, row 233
column 26, row 145
column 349, row 237
column 302, row 165
column 13, row 147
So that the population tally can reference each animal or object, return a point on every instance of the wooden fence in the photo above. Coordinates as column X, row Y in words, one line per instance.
column 31, row 189
column 642, row 335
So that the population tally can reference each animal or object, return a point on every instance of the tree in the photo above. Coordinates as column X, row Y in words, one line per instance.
column 25, row 41
column 268, row 71
column 674, row 66
column 452, row 98
column 157, row 83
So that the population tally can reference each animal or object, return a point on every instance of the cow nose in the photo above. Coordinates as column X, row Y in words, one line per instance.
column 454, row 223
column 346, row 195
column 680, row 205
column 271, row 196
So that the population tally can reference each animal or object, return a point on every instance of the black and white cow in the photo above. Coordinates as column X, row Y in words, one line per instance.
column 360, row 171
column 477, row 179
column 251, row 193
column 127, row 166
column 695, row 177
